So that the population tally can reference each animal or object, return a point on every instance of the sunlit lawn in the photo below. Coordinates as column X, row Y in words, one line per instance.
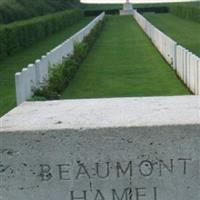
column 122, row 63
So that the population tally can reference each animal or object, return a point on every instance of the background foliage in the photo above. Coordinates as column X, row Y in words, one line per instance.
column 18, row 35
column 187, row 11
column 13, row 10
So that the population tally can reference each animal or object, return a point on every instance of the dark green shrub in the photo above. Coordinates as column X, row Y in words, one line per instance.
column 80, row 52
column 14, row 10
column 98, row 12
column 57, row 80
column 18, row 35
column 61, row 75
column 160, row 9
column 3, row 52
column 38, row 98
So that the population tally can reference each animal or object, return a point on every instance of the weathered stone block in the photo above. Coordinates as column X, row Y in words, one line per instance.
column 102, row 149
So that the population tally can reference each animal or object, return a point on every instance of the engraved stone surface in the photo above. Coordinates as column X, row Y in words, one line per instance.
column 107, row 156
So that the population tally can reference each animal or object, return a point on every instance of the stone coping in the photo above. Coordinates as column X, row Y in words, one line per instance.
column 102, row 113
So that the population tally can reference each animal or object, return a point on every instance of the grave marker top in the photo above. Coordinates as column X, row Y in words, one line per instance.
column 100, row 113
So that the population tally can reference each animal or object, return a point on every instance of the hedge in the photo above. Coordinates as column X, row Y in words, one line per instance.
column 98, row 12
column 156, row 9
column 186, row 11
column 13, row 10
column 18, row 35
column 61, row 75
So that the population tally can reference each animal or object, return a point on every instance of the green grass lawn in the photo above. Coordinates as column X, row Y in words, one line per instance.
column 15, row 63
column 122, row 63
column 185, row 32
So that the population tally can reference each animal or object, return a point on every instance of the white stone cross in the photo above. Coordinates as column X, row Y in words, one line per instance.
column 127, row 8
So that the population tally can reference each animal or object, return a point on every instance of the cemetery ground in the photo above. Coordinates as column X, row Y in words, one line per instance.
column 123, row 62
column 12, row 64
column 115, row 148
column 185, row 32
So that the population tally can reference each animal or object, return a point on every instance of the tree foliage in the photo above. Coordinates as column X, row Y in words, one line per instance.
column 187, row 11
column 18, row 35
column 13, row 10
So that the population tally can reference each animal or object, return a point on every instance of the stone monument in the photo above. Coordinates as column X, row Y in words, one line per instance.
column 102, row 149
column 127, row 9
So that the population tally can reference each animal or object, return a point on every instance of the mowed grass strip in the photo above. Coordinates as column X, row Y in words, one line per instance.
column 123, row 63
column 12, row 64
column 185, row 32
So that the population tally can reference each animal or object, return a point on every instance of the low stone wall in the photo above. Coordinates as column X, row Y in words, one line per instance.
column 35, row 74
column 102, row 149
column 184, row 62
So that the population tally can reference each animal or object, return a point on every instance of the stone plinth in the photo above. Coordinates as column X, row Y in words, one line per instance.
column 127, row 9
column 102, row 149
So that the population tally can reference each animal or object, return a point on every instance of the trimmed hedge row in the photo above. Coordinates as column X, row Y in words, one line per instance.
column 98, row 12
column 13, row 10
column 186, row 11
column 156, row 9
column 18, row 35
column 61, row 75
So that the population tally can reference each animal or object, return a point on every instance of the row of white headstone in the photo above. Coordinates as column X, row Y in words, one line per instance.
column 185, row 63
column 34, row 75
